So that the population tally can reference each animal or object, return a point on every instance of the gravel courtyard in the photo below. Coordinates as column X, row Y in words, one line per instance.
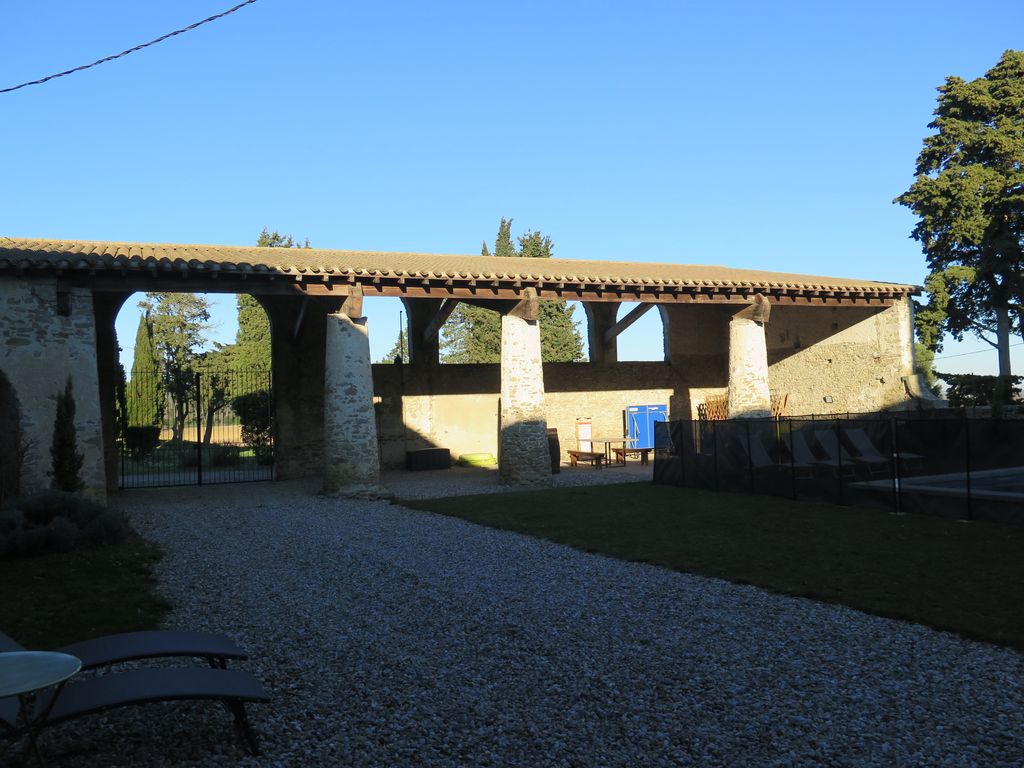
column 391, row 637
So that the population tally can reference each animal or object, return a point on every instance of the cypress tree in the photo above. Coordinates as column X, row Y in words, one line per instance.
column 66, row 460
column 145, row 395
column 252, row 342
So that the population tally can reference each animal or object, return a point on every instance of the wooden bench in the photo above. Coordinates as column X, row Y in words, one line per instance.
column 622, row 453
column 596, row 459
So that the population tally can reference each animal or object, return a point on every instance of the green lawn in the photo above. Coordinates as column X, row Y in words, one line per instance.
column 53, row 600
column 963, row 577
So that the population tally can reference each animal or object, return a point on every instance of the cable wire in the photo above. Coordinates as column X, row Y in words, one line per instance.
column 104, row 60
column 975, row 352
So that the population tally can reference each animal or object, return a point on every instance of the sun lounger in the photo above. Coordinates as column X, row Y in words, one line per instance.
column 866, row 449
column 217, row 649
column 233, row 688
column 828, row 441
column 93, row 694
column 760, row 459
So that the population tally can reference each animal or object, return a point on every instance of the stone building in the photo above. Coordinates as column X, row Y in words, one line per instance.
column 826, row 344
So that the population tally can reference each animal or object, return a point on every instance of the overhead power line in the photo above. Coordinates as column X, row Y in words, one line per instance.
column 975, row 352
column 104, row 60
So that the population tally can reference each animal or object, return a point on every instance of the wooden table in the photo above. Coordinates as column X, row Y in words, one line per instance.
column 609, row 442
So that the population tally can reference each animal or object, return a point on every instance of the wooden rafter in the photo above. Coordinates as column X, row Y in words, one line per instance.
column 634, row 314
column 440, row 318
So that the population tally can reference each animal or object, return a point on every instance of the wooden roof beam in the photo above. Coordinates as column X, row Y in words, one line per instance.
column 439, row 319
column 634, row 314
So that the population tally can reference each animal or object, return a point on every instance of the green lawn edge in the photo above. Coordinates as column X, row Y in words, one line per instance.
column 57, row 599
column 966, row 578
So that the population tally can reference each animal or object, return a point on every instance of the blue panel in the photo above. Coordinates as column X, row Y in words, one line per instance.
column 640, row 422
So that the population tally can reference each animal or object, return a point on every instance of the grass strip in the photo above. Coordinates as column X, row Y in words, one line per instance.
column 56, row 599
column 967, row 578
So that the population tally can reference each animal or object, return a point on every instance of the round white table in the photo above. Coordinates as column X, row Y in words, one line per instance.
column 25, row 672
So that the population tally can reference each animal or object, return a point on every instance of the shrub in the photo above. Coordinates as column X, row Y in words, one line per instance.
column 223, row 455
column 56, row 521
column 67, row 461
column 140, row 441
column 253, row 411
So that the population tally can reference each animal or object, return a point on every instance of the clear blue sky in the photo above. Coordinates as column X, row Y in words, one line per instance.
column 761, row 135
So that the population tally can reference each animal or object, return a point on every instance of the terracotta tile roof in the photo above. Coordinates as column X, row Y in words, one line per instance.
column 75, row 255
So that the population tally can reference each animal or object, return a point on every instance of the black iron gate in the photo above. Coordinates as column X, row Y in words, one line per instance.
column 195, row 427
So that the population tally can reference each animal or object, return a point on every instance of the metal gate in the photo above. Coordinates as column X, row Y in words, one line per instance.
column 195, row 427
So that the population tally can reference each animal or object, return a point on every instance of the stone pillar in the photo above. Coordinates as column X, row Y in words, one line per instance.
column 298, row 331
column 600, row 317
column 420, row 313
column 351, row 453
column 749, row 397
column 523, row 444
column 105, row 309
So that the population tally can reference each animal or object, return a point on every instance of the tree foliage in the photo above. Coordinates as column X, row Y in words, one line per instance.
column 966, row 389
column 252, row 342
column 66, row 461
column 144, row 397
column 400, row 350
column 179, row 322
column 969, row 197
column 473, row 334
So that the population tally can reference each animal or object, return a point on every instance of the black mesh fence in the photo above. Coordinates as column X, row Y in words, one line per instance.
column 955, row 467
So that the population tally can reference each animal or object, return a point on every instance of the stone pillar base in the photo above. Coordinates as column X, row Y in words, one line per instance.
column 523, row 443
column 749, row 396
column 351, row 458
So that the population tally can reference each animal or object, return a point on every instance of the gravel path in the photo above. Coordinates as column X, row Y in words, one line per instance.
column 391, row 637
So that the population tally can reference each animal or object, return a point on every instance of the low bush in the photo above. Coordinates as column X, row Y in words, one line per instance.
column 141, row 441
column 223, row 455
column 56, row 521
column 254, row 411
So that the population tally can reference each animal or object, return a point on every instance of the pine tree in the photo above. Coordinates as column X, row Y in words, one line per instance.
column 968, row 195
column 473, row 334
column 401, row 349
column 179, row 322
column 66, row 460
column 145, row 391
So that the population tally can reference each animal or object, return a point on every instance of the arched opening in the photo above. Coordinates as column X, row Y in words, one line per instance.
column 13, row 445
column 195, row 394
column 645, row 338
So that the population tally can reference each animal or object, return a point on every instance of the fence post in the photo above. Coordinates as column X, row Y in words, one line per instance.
column 792, row 460
column 199, row 437
column 680, row 448
column 894, row 449
column 967, row 464
column 839, row 464
column 714, row 452
column 750, row 460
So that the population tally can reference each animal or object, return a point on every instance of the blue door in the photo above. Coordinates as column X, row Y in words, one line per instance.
column 640, row 423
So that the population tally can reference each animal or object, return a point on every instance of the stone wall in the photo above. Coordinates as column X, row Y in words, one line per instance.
column 855, row 357
column 39, row 350
column 463, row 416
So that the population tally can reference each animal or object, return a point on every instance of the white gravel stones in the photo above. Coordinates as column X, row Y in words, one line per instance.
column 391, row 637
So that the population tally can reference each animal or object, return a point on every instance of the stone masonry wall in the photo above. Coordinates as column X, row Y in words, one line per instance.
column 463, row 417
column 39, row 350
column 856, row 357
